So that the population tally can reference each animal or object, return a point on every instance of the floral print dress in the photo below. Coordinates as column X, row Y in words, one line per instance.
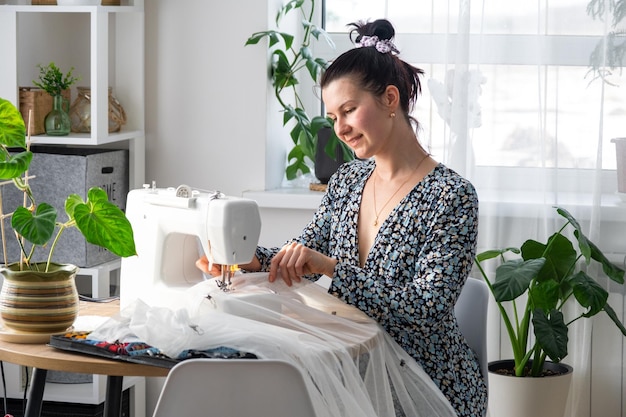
column 413, row 274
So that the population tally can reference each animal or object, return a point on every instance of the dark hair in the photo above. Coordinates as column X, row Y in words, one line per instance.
column 375, row 70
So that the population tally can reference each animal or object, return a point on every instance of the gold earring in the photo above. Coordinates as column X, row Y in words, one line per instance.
column 392, row 114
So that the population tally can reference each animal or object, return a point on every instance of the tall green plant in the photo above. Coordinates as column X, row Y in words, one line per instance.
column 288, row 61
column 549, row 275
column 101, row 222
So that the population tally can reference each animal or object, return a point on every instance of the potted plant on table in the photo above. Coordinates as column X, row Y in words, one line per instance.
column 538, row 283
column 36, row 226
column 287, row 62
column 54, row 82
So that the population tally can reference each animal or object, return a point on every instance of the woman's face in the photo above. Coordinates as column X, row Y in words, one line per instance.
column 361, row 120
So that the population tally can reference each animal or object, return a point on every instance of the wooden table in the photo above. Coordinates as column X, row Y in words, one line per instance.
column 42, row 358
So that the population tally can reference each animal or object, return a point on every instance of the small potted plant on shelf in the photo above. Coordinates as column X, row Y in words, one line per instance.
column 36, row 226
column 533, row 288
column 54, row 82
column 287, row 63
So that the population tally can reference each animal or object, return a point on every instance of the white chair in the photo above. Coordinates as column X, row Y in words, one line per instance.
column 234, row 388
column 471, row 314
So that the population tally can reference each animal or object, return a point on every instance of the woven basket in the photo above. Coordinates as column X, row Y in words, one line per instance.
column 41, row 104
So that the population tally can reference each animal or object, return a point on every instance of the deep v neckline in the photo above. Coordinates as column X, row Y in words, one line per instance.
column 385, row 221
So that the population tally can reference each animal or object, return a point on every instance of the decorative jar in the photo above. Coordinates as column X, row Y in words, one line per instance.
column 80, row 112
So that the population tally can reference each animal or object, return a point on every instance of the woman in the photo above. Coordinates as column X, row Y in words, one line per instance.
column 396, row 231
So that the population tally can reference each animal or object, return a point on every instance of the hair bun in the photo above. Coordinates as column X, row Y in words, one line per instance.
column 382, row 28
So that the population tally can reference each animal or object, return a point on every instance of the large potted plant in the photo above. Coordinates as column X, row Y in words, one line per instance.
column 36, row 226
column 287, row 63
column 535, row 287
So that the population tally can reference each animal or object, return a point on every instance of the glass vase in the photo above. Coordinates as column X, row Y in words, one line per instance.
column 80, row 112
column 57, row 122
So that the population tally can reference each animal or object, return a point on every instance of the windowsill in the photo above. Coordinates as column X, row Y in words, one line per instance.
column 493, row 203
column 286, row 198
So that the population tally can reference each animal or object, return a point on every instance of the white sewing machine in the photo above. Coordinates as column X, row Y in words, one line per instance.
column 172, row 228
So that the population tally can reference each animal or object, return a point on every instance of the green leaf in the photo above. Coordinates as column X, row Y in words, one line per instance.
column 295, row 133
column 318, row 32
column 12, row 128
column 256, row 37
column 494, row 253
column 319, row 122
column 283, row 75
column 36, row 227
column 545, row 295
column 70, row 204
column 559, row 253
column 104, row 224
column 513, row 278
column 551, row 333
column 16, row 165
column 288, row 114
column 287, row 39
column 306, row 143
column 291, row 5
column 610, row 269
column 560, row 257
column 588, row 293
column 297, row 163
column 611, row 313
column 583, row 242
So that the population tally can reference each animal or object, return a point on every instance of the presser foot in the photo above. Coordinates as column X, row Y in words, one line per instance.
column 225, row 283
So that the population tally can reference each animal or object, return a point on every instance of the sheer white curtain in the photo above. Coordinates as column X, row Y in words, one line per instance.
column 511, row 102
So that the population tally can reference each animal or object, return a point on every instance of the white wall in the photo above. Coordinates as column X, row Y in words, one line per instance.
column 206, row 100
column 205, row 94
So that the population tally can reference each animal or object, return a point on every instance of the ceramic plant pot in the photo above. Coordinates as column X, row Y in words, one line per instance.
column 511, row 396
column 325, row 166
column 39, row 302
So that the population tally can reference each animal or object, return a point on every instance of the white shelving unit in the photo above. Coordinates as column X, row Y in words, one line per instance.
column 100, row 277
column 105, row 46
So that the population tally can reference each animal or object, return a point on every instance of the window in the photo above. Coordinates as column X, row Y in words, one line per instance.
column 538, row 105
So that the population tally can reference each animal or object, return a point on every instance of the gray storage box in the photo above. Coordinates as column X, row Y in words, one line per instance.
column 60, row 172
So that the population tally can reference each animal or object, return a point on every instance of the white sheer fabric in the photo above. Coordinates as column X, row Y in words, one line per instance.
column 541, row 164
column 353, row 368
column 513, row 103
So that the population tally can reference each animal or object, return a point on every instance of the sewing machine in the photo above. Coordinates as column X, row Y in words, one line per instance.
column 173, row 227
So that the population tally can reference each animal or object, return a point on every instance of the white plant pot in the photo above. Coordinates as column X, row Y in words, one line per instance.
column 511, row 396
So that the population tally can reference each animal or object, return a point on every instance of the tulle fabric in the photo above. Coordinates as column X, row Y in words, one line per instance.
column 351, row 366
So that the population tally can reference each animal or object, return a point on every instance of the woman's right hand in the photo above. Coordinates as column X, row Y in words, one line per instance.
column 207, row 267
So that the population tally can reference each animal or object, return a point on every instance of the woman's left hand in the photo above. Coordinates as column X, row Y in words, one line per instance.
column 295, row 260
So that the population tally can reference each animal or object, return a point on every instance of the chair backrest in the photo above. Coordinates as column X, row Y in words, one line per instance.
column 234, row 388
column 471, row 315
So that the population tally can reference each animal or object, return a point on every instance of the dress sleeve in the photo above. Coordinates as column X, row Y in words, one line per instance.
column 420, row 266
column 315, row 235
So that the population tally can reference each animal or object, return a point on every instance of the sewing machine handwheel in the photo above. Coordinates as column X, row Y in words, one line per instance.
column 184, row 191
